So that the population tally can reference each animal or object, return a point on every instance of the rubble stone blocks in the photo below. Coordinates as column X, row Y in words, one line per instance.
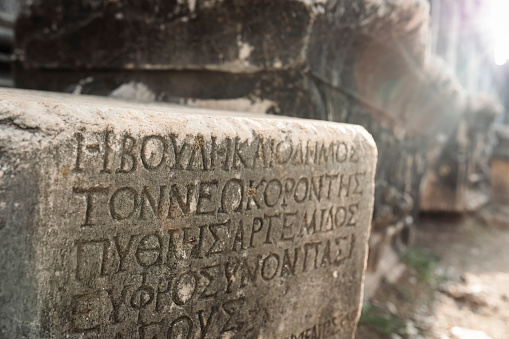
column 125, row 220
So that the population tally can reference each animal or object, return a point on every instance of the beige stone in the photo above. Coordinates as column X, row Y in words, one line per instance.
column 126, row 220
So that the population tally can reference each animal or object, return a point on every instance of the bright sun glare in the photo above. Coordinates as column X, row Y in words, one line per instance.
column 499, row 22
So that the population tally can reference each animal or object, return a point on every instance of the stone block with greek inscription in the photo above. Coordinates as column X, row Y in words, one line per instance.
column 125, row 220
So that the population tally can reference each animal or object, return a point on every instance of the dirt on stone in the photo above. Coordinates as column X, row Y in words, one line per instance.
column 455, row 286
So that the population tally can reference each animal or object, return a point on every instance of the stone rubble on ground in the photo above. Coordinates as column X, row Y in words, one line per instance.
column 465, row 333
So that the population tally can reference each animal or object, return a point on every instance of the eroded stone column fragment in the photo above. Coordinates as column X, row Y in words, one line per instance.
column 123, row 220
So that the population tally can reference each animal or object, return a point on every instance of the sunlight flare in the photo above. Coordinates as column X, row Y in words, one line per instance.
column 499, row 23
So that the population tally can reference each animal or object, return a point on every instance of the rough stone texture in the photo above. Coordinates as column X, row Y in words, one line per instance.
column 123, row 220
column 361, row 62
column 277, row 51
column 209, row 34
column 364, row 62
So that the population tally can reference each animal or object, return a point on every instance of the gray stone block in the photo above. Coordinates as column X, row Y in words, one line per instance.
column 127, row 220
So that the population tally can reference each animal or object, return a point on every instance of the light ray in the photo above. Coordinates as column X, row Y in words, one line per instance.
column 499, row 23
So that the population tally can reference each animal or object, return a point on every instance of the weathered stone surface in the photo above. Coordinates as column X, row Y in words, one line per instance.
column 360, row 62
column 122, row 220
column 366, row 62
column 215, row 35
column 278, row 51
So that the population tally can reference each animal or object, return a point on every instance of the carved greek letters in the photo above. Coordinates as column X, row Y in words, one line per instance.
column 128, row 161
column 205, row 203
column 153, row 151
column 124, row 203
column 91, row 257
column 89, row 192
column 87, row 311
column 192, row 225
column 181, row 328
column 324, row 329
column 205, row 198
column 159, row 152
column 152, row 221
column 148, row 251
column 270, row 266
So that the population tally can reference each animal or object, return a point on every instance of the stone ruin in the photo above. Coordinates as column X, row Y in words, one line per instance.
column 365, row 62
column 123, row 220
